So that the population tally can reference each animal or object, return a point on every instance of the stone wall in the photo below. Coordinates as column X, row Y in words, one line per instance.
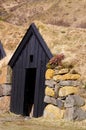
column 5, row 88
column 5, row 92
column 62, row 94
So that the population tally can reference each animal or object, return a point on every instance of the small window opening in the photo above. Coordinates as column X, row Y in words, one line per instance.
column 31, row 58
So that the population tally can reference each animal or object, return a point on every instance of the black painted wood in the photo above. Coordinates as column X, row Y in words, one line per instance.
column 31, row 53
column 36, row 99
column 13, row 103
column 32, row 30
column 41, row 85
column 2, row 52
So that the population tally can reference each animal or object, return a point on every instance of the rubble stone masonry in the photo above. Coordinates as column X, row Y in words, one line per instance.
column 62, row 94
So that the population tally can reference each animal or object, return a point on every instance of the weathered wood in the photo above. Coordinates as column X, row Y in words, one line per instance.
column 36, row 96
column 13, row 91
column 32, row 53
column 42, row 83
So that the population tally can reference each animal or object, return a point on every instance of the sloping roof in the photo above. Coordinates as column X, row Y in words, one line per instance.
column 34, row 30
column 2, row 52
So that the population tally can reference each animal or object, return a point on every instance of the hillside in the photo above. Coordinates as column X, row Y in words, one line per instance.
column 61, row 23
column 70, row 41
column 10, row 36
column 56, row 12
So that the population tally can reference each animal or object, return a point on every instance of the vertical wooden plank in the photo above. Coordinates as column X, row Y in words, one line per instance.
column 19, row 83
column 28, row 51
column 36, row 49
column 14, row 91
column 34, row 52
column 40, row 88
column 32, row 43
column 22, row 85
column 23, row 65
column 22, row 90
column 36, row 96
column 32, row 49
column 12, row 103
column 25, row 56
column 41, row 103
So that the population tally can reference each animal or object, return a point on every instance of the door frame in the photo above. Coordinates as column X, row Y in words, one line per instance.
column 27, row 90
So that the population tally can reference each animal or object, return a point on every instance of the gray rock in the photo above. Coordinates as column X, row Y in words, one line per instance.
column 50, row 83
column 1, row 90
column 80, row 114
column 53, row 101
column 5, row 89
column 57, row 87
column 70, row 83
column 59, row 103
column 69, row 102
column 74, row 113
column 78, row 100
column 74, row 100
column 47, row 99
column 50, row 100
column 70, row 114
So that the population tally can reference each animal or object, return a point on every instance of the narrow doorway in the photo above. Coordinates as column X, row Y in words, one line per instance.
column 29, row 91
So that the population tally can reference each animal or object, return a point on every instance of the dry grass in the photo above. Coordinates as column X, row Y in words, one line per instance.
column 60, row 32
column 68, row 40
column 15, row 122
column 56, row 12
column 9, row 35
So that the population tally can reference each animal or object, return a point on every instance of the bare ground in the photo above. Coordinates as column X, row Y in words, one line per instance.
column 10, row 121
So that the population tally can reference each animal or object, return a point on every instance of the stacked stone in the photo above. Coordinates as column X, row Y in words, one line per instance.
column 5, row 89
column 62, row 95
